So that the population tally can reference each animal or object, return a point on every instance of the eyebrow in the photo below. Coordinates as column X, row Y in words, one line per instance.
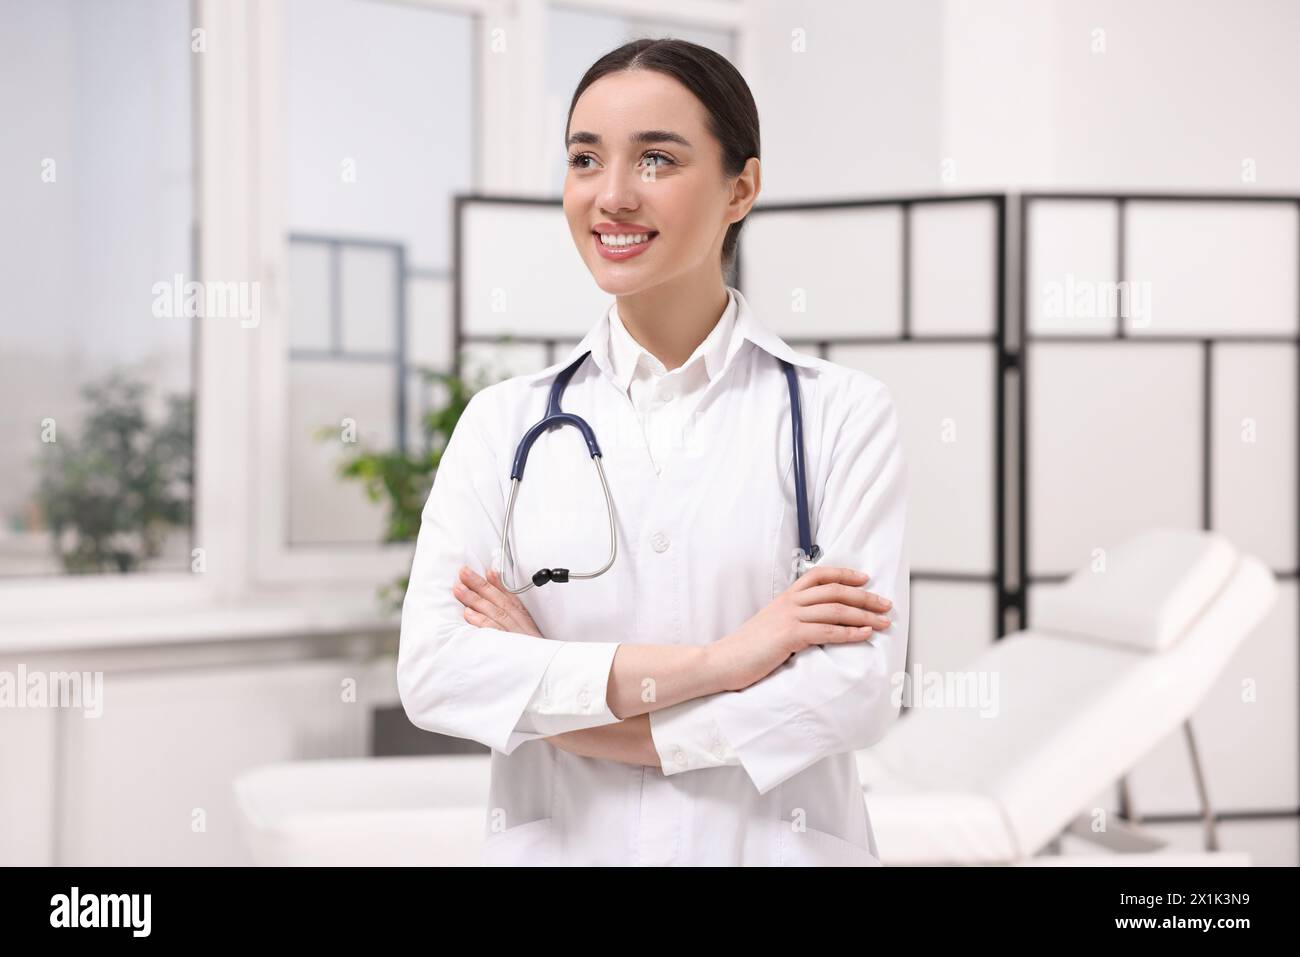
column 642, row 136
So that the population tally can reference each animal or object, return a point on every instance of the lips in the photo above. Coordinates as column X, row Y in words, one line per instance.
column 620, row 253
column 621, row 229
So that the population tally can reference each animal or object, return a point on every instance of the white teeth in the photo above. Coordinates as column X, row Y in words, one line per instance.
column 610, row 239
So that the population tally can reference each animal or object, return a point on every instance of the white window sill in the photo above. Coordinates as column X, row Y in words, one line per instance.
column 281, row 614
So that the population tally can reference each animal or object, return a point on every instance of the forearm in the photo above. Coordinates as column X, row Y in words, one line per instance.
column 645, row 678
column 626, row 741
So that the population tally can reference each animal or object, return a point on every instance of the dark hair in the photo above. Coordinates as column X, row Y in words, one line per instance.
column 733, row 117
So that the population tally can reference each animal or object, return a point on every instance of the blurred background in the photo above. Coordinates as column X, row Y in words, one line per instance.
column 257, row 255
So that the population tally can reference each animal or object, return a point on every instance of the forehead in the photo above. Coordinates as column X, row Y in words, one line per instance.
column 630, row 100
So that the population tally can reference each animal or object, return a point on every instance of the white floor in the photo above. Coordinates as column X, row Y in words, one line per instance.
column 1270, row 843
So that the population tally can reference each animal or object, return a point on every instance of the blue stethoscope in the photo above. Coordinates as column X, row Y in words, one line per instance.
column 804, row 557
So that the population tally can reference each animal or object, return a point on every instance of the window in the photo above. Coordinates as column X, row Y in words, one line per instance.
column 379, row 137
column 95, row 348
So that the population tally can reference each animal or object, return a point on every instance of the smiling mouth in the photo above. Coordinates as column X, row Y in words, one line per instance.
column 624, row 249
column 648, row 234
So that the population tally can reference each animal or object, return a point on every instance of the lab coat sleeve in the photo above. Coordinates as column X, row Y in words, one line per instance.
column 687, row 743
column 484, row 684
column 828, row 698
column 571, row 694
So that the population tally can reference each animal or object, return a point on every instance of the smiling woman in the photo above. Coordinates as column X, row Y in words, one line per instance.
column 693, row 702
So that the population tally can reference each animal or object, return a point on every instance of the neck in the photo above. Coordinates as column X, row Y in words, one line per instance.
column 671, row 320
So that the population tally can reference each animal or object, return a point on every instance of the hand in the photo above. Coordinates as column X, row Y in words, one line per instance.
column 826, row 605
column 488, row 604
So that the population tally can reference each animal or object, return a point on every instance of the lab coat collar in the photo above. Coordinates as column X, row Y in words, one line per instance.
column 747, row 326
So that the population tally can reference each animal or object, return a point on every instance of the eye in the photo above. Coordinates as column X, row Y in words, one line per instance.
column 575, row 160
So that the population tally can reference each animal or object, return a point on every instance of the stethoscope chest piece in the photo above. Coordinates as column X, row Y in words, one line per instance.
column 800, row 562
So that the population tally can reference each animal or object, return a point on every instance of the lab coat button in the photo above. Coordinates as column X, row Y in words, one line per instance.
column 659, row 542
column 584, row 699
column 679, row 756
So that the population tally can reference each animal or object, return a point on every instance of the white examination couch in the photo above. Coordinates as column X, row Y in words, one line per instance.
column 1116, row 660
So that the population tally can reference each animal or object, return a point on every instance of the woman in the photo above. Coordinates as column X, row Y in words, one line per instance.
column 694, row 704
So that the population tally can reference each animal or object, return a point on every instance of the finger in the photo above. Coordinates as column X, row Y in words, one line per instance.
column 480, row 586
column 839, row 592
column 474, row 618
column 509, row 597
column 836, row 613
column 848, row 594
column 473, row 600
column 825, row 574
column 495, row 591
column 827, row 634
column 492, row 589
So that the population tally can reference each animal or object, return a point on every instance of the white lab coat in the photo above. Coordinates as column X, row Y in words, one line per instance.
column 702, row 547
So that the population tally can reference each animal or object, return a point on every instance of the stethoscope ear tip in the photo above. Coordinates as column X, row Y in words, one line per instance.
column 544, row 575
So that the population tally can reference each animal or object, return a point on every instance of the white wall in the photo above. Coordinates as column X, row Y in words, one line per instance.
column 1012, row 94
column 858, row 111
column 1177, row 96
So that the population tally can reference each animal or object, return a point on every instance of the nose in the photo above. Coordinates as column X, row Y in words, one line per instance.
column 618, row 191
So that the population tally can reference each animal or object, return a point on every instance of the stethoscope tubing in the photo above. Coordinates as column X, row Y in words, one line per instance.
column 805, row 555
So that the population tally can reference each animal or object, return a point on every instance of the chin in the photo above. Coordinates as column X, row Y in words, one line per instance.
column 619, row 281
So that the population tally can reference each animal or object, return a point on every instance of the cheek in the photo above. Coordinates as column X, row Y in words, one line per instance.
column 576, row 205
column 688, row 215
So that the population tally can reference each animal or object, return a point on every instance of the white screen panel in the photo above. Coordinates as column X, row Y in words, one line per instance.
column 1213, row 268
column 497, row 361
column 954, row 268
column 522, row 274
column 945, row 402
column 429, row 321
column 952, row 624
column 1114, row 446
column 1072, row 249
column 826, row 273
column 1254, row 461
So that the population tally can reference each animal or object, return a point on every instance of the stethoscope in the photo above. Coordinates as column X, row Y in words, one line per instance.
column 804, row 556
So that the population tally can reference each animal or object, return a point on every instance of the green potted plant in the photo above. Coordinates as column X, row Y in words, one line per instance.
column 111, row 496
column 402, row 480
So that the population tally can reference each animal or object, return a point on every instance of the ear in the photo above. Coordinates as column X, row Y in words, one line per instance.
column 745, row 189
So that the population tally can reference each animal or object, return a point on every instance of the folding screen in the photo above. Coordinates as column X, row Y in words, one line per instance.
column 1160, row 387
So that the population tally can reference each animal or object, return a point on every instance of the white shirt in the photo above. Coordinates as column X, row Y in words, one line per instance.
column 704, row 543
column 566, row 698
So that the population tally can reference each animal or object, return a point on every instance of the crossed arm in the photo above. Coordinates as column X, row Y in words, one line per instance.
column 819, row 607
column 680, row 674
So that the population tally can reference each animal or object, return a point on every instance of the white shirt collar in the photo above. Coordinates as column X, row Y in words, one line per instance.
column 746, row 326
column 714, row 351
